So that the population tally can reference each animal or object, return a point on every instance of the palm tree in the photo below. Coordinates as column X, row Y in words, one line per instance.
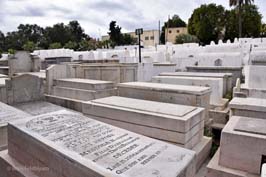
column 239, row 4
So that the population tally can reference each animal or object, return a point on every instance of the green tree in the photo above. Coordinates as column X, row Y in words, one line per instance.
column 251, row 20
column 263, row 30
column 71, row 45
column 186, row 38
column 2, row 42
column 77, row 32
column 128, row 40
column 59, row 33
column 207, row 23
column 238, row 4
column 44, row 38
column 84, row 45
column 29, row 46
column 11, row 51
column 115, row 34
column 13, row 41
column 175, row 21
column 29, row 32
column 55, row 45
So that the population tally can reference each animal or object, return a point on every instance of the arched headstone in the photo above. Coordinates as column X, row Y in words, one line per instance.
column 218, row 62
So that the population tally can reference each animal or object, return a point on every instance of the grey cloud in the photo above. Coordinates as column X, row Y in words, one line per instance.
column 97, row 14
column 58, row 9
column 110, row 5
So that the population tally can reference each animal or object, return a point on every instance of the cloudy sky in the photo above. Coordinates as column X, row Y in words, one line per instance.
column 95, row 15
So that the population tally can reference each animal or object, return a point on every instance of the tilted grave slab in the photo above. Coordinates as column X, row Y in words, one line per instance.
column 216, row 84
column 164, row 121
column 168, row 93
column 227, row 78
column 85, row 84
column 69, row 144
column 242, row 148
column 248, row 107
column 7, row 114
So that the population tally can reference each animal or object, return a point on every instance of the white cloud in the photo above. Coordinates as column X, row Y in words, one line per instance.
column 95, row 15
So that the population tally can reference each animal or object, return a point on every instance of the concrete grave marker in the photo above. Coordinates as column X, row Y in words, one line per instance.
column 7, row 114
column 256, row 126
column 85, row 147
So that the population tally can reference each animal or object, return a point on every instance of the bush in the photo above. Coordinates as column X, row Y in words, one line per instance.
column 186, row 38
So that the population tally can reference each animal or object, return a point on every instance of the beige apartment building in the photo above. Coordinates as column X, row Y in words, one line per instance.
column 172, row 33
column 148, row 38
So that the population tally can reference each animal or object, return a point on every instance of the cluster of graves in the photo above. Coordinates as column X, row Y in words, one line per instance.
column 117, row 117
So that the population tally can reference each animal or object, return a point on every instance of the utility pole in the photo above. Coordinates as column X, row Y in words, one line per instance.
column 139, row 32
column 167, row 29
column 159, row 32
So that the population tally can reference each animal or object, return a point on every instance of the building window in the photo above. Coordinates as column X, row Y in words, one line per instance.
column 177, row 31
column 152, row 37
column 147, row 38
column 170, row 31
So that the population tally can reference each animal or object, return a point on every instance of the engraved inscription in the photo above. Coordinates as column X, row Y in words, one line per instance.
column 119, row 152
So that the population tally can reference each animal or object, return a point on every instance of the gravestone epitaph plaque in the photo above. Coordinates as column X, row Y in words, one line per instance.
column 103, row 149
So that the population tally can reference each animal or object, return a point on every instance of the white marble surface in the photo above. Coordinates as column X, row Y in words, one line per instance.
column 9, row 113
column 148, row 106
column 38, row 107
column 216, row 84
column 196, row 74
column 85, row 144
column 168, row 87
column 254, row 104
column 87, row 81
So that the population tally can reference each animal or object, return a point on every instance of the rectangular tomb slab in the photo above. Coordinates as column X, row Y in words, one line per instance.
column 86, row 84
column 149, row 106
column 197, row 74
column 248, row 107
column 167, row 87
column 227, row 77
column 243, row 143
column 169, row 122
column 38, row 107
column 256, row 126
column 168, row 93
column 70, row 144
column 167, row 116
column 216, row 84
column 7, row 114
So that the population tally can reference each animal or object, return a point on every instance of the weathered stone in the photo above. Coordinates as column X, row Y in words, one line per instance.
column 236, row 71
column 227, row 78
column 255, row 77
column 38, row 107
column 7, row 114
column 164, row 121
column 85, row 84
column 242, row 149
column 248, row 107
column 216, row 84
column 24, row 88
column 70, row 144
column 168, row 93
column 23, row 61
column 256, row 126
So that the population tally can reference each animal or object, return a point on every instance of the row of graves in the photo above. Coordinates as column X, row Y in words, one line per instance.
column 95, row 137
column 242, row 147
column 129, row 120
column 42, row 142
